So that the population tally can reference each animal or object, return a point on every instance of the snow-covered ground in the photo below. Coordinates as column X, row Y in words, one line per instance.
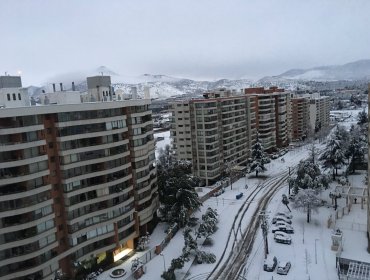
column 310, row 252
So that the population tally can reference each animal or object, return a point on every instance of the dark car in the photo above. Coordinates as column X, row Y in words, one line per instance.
column 270, row 263
column 281, row 218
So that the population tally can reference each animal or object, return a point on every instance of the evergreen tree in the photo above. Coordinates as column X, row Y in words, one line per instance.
column 356, row 148
column 308, row 176
column 362, row 117
column 333, row 155
column 176, row 188
column 209, row 224
column 258, row 157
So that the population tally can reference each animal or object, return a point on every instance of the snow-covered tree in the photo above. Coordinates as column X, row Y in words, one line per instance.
column 209, row 223
column 143, row 241
column 165, row 158
column 356, row 148
column 308, row 176
column 191, row 248
column 362, row 117
column 258, row 157
column 334, row 153
column 312, row 153
column 176, row 188
column 307, row 200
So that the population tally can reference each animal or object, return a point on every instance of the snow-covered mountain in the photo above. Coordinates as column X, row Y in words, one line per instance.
column 160, row 86
column 357, row 70
column 163, row 86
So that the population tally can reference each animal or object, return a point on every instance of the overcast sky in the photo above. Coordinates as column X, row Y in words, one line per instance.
column 196, row 39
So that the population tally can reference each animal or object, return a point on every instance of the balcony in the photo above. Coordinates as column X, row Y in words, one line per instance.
column 12, row 146
column 17, row 178
column 14, row 130
column 20, row 162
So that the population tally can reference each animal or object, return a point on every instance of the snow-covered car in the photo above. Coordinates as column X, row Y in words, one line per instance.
column 281, row 223
column 283, row 267
column 281, row 218
column 270, row 263
column 282, row 237
column 274, row 156
column 285, row 214
column 286, row 229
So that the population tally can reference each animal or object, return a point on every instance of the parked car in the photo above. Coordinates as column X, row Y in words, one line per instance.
column 270, row 263
column 274, row 156
column 281, row 218
column 286, row 229
column 281, row 223
column 284, row 214
column 283, row 267
column 282, row 237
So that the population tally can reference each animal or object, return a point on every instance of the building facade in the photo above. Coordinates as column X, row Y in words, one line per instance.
column 300, row 118
column 271, row 109
column 214, row 132
column 77, row 181
column 368, row 181
column 319, row 111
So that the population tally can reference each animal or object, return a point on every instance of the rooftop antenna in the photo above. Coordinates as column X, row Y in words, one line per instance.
column 102, row 73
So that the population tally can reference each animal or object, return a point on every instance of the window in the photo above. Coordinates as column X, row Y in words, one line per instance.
column 19, row 96
column 14, row 97
column 8, row 95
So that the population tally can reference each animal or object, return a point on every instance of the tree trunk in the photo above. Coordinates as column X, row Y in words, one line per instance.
column 308, row 213
column 257, row 173
column 333, row 174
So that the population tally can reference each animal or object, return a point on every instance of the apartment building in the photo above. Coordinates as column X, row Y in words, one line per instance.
column 77, row 178
column 368, row 182
column 271, row 109
column 299, row 117
column 214, row 132
column 319, row 111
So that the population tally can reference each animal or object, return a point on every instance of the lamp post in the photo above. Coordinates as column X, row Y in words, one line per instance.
column 289, row 181
column 264, row 227
column 164, row 262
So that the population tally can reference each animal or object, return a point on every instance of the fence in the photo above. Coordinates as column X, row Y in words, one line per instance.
column 351, row 226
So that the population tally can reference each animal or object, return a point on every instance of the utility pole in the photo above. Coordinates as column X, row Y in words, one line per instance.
column 289, row 181
column 264, row 227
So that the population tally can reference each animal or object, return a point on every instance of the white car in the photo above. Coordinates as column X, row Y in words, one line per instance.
column 286, row 229
column 282, row 237
column 283, row 268
column 284, row 214
column 281, row 223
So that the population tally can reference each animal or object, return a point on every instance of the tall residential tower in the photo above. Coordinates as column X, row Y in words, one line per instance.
column 77, row 181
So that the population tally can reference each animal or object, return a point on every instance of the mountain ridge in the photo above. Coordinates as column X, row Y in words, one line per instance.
column 164, row 86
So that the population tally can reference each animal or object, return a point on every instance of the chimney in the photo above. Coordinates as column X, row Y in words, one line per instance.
column 73, row 86
column 53, row 87
column 61, row 86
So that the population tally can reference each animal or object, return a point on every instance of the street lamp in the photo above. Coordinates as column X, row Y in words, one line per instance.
column 316, row 251
column 164, row 262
